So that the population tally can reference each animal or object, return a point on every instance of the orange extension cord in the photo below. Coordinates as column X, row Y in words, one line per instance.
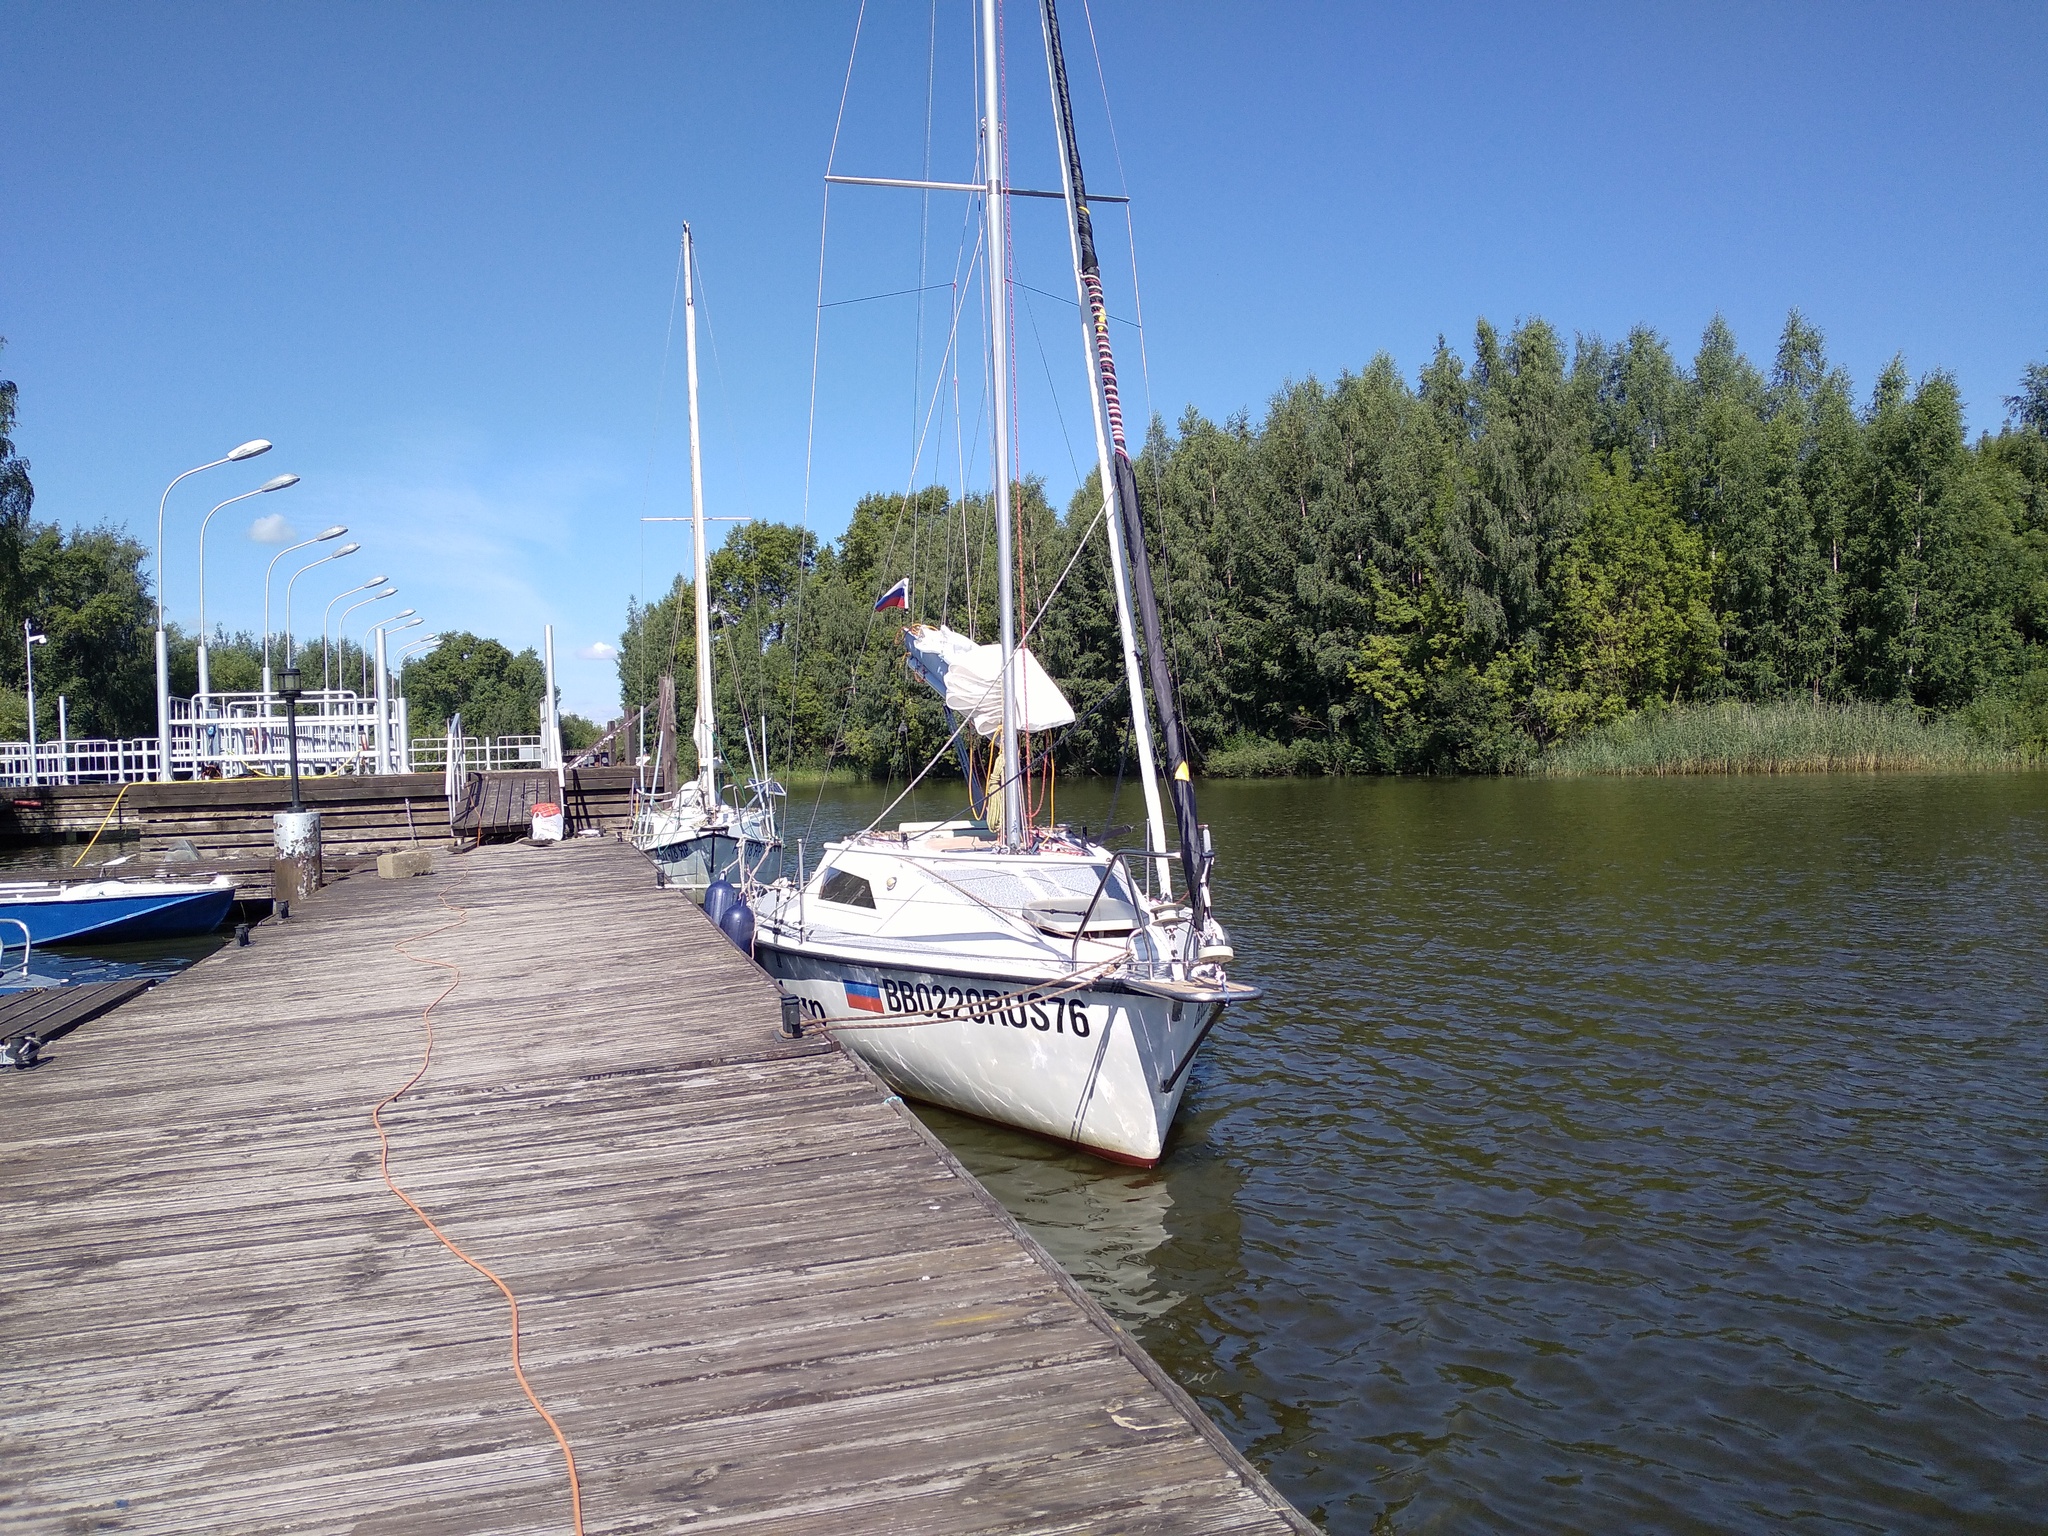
column 384, row 1167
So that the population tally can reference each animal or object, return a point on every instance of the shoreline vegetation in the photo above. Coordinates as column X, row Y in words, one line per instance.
column 1789, row 735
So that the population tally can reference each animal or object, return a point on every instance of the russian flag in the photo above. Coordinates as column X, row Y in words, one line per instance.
column 864, row 995
column 897, row 596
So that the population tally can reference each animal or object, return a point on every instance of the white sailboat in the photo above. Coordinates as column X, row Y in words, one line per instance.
column 692, row 833
column 1023, row 974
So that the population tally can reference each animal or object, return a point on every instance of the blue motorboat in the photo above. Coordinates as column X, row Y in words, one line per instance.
column 115, row 911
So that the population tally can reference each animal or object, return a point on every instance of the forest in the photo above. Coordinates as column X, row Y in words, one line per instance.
column 1516, row 551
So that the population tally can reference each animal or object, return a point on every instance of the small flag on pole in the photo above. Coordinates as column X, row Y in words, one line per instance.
column 897, row 596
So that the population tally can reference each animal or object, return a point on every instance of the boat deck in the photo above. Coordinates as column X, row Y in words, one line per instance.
column 753, row 1290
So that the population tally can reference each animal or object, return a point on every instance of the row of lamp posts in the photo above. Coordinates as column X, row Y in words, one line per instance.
column 297, row 833
column 289, row 686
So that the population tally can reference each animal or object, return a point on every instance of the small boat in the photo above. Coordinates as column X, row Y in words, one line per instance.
column 692, row 834
column 1023, row 973
column 115, row 911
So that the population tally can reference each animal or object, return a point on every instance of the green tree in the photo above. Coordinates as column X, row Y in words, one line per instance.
column 496, row 692
column 1635, row 619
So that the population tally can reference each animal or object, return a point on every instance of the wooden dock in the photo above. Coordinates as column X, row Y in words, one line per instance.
column 224, row 826
column 753, row 1290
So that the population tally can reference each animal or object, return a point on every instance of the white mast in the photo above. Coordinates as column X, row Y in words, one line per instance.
column 701, row 735
column 997, row 276
column 1141, row 714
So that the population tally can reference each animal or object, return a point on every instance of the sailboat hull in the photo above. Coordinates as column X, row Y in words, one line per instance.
column 1098, row 1068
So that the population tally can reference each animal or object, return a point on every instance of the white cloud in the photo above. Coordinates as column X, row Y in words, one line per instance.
column 599, row 651
column 273, row 529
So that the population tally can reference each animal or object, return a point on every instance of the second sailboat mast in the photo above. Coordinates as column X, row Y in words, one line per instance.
column 702, row 734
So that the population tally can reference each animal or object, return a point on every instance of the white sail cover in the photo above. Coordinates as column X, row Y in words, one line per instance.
column 969, row 678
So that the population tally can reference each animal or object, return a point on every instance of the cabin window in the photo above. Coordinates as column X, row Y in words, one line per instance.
column 848, row 889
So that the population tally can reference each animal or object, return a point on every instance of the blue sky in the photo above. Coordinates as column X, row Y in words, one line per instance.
column 429, row 251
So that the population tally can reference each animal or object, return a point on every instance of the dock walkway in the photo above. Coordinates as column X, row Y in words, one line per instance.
column 753, row 1290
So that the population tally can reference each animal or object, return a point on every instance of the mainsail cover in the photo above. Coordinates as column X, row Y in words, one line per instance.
column 969, row 678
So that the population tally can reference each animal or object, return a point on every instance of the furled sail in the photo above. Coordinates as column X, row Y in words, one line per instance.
column 969, row 678
column 1130, row 515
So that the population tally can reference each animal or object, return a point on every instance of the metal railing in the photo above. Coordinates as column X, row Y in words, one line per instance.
column 477, row 754
column 227, row 735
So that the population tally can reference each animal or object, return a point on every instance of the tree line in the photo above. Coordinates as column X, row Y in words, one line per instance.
column 1444, row 575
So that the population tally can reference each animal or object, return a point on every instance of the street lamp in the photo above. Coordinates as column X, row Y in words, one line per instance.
column 291, row 644
column 341, row 626
column 248, row 450
column 332, row 533
column 327, row 616
column 29, row 641
column 280, row 483
column 289, row 690
column 384, row 754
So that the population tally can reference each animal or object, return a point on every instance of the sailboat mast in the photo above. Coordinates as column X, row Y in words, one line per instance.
column 1078, row 222
column 997, row 277
column 702, row 735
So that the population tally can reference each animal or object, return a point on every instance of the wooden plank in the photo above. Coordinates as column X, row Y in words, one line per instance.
column 51, row 1012
column 754, row 1290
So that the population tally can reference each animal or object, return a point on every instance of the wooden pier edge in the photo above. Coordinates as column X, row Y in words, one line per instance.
column 718, row 1233
column 1127, row 1346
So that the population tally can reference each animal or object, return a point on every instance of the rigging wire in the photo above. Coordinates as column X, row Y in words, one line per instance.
column 653, row 444
column 817, row 333
column 924, row 219
column 895, row 532
column 1046, row 363
column 1130, row 230
column 1022, row 640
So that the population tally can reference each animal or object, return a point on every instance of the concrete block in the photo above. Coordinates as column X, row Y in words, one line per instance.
column 405, row 862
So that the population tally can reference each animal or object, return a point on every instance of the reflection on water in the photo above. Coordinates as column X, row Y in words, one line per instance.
column 1101, row 1222
column 1655, row 1155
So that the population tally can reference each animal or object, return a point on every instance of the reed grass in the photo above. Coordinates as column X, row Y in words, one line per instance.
column 810, row 776
column 1793, row 735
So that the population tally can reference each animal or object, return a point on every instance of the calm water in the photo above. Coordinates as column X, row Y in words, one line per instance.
column 1605, row 1156
column 74, row 966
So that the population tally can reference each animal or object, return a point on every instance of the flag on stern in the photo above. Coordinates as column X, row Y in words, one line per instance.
column 897, row 596
column 864, row 995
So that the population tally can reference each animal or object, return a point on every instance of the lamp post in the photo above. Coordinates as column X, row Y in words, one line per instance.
column 291, row 643
column 341, row 626
column 332, row 533
column 327, row 617
column 403, row 613
column 297, row 870
column 384, row 684
column 29, row 641
column 405, row 658
column 289, row 690
column 248, row 450
column 281, row 482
